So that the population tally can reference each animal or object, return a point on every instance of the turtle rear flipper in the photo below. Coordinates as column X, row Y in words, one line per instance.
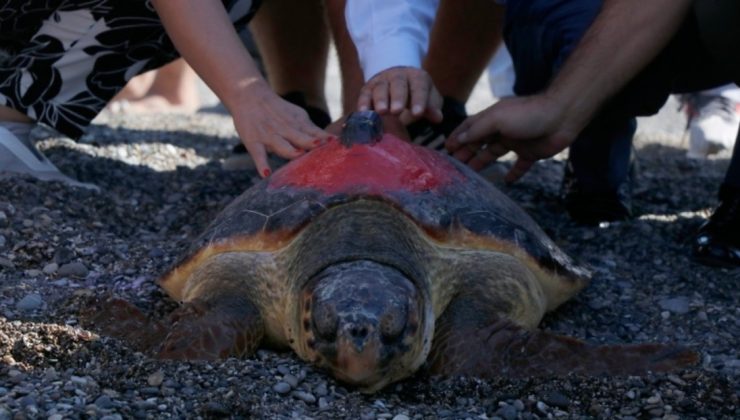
column 115, row 317
column 505, row 349
column 218, row 327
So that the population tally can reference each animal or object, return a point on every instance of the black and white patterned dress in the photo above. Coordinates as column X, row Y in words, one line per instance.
column 62, row 61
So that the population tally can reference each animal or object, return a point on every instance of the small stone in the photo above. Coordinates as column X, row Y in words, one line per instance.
column 306, row 397
column 74, row 269
column 321, row 390
column 542, row 407
column 676, row 380
column 323, row 404
column 30, row 302
column 5, row 414
column 665, row 314
column 156, row 378
column 519, row 405
column 50, row 268
column 702, row 316
column 3, row 219
column 631, row 394
column 401, row 417
column 78, row 380
column 678, row 305
column 63, row 255
column 104, row 402
column 281, row 388
column 3, row 241
column 156, row 253
column 55, row 417
column 290, row 380
column 555, row 399
column 507, row 412
column 655, row 399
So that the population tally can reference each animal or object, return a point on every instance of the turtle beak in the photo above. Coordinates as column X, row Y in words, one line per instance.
column 358, row 353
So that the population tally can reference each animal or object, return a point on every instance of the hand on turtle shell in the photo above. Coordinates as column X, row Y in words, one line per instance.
column 267, row 123
column 531, row 126
column 400, row 89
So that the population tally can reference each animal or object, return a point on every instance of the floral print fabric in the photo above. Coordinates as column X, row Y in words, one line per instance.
column 62, row 61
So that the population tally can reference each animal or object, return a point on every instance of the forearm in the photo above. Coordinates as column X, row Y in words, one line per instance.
column 225, row 65
column 390, row 33
column 625, row 37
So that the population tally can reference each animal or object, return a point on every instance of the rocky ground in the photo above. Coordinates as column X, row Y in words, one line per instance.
column 161, row 181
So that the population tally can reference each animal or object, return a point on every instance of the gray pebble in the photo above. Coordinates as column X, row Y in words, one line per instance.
column 519, row 405
column 290, row 380
column 281, row 388
column 156, row 378
column 2, row 241
column 50, row 268
column 63, row 255
column 104, row 402
column 306, row 397
column 507, row 412
column 74, row 269
column 677, row 305
column 323, row 404
column 555, row 399
column 401, row 417
column 321, row 390
column 30, row 302
column 156, row 253
column 3, row 219
column 542, row 407
column 5, row 414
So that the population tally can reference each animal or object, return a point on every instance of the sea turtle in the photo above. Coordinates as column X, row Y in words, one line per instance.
column 371, row 256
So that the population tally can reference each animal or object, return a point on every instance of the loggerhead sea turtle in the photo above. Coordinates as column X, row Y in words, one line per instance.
column 370, row 256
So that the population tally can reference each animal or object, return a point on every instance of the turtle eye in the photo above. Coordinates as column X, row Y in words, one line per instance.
column 325, row 321
column 393, row 322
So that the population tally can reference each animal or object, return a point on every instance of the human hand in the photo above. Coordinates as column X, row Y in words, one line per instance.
column 533, row 127
column 405, row 89
column 267, row 123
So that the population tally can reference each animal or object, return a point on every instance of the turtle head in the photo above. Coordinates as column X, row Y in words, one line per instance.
column 365, row 322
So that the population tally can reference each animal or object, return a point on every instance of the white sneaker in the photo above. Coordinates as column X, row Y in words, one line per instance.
column 21, row 157
column 713, row 124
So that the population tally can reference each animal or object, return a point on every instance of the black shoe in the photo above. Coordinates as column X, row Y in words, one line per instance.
column 594, row 207
column 718, row 241
column 434, row 135
column 318, row 116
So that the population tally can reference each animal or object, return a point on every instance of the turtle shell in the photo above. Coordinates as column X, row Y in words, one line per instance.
column 451, row 203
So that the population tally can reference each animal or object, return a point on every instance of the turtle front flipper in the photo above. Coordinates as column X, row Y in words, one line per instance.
column 505, row 349
column 213, row 327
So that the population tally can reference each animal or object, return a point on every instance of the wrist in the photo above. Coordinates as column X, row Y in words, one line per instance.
column 247, row 90
column 570, row 112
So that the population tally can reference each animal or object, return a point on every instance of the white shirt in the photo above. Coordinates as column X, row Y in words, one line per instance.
column 390, row 33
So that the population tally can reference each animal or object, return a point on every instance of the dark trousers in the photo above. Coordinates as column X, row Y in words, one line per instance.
column 541, row 34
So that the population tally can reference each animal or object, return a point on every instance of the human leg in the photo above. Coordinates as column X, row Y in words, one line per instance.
column 173, row 88
column 718, row 242
column 293, row 38
column 540, row 36
column 463, row 39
